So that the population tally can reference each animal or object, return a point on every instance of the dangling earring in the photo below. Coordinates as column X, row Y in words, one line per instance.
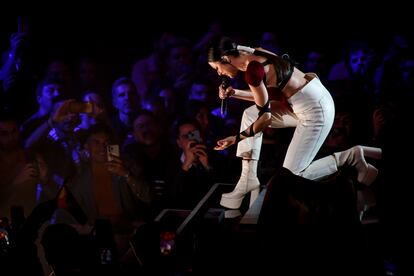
column 225, row 60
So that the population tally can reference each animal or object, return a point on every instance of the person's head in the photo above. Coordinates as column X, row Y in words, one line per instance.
column 227, row 57
column 199, row 92
column 186, row 131
column 97, row 138
column 407, row 72
column 124, row 96
column 178, row 58
column 360, row 58
column 204, row 88
column 200, row 111
column 220, row 53
column 49, row 92
column 88, row 72
column 9, row 132
column 58, row 69
column 98, row 102
column 315, row 62
column 147, row 129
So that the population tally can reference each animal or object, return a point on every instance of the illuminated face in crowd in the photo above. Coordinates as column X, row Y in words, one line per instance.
column 49, row 95
column 146, row 130
column 183, row 139
column 125, row 98
column 359, row 61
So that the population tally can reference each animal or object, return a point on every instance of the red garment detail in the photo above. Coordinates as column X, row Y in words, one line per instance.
column 276, row 95
column 254, row 73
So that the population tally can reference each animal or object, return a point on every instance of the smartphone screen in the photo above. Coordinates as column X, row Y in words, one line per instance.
column 112, row 150
column 167, row 242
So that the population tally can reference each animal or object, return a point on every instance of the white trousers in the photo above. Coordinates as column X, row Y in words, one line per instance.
column 313, row 115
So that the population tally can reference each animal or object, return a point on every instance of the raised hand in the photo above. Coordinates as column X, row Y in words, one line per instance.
column 27, row 173
column 226, row 92
column 116, row 166
column 225, row 143
column 200, row 151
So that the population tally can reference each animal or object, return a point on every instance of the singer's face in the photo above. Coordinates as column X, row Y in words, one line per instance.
column 224, row 69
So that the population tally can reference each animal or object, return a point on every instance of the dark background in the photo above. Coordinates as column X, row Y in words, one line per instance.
column 120, row 33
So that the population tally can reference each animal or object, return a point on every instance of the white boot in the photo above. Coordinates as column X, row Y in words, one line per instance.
column 355, row 157
column 248, row 182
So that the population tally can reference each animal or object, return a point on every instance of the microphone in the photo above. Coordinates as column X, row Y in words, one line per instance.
column 225, row 82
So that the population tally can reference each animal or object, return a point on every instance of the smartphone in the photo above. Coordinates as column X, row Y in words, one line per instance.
column 81, row 107
column 112, row 150
column 167, row 242
column 195, row 136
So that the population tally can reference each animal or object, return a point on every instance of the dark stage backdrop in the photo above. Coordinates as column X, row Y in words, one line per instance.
column 120, row 33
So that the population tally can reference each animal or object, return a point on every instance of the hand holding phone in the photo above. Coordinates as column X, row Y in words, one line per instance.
column 112, row 150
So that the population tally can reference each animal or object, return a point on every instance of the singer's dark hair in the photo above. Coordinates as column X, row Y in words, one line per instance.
column 225, row 46
column 220, row 47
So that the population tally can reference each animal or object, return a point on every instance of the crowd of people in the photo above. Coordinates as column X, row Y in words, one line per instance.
column 57, row 122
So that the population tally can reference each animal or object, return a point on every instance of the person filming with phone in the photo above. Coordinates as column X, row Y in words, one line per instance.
column 50, row 131
column 195, row 151
column 194, row 175
column 106, row 188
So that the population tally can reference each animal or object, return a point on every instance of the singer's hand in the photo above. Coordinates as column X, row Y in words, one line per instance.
column 225, row 143
column 225, row 93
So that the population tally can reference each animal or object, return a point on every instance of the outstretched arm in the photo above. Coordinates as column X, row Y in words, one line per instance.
column 254, row 77
column 243, row 95
column 262, row 122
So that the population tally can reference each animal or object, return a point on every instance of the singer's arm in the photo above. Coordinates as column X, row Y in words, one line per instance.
column 254, row 78
column 264, row 118
column 246, row 95
column 262, row 122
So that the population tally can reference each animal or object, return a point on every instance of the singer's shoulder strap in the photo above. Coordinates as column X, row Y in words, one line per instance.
column 254, row 73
